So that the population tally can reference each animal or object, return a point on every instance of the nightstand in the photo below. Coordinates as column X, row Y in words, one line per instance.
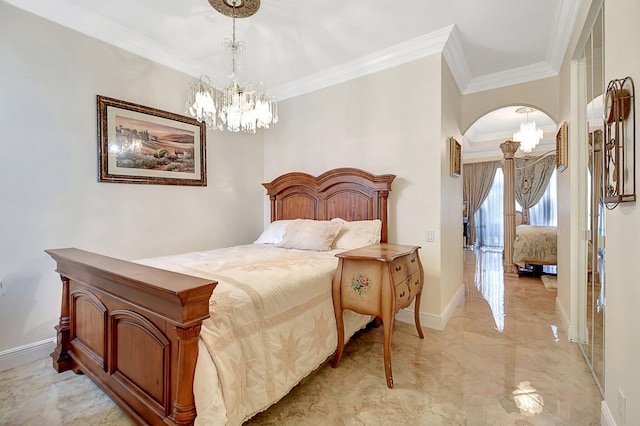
column 377, row 280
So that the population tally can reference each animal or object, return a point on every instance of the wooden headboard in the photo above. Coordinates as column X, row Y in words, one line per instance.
column 347, row 193
column 112, row 309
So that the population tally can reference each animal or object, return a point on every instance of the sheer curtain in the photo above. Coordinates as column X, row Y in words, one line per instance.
column 532, row 177
column 477, row 181
column 489, row 217
column 545, row 212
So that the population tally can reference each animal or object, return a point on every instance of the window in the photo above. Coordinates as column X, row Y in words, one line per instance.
column 489, row 217
column 545, row 212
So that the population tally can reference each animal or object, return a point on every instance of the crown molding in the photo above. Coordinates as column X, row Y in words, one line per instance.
column 446, row 41
column 564, row 21
column 493, row 152
column 70, row 15
column 475, row 138
column 456, row 59
column 510, row 77
column 399, row 54
column 454, row 56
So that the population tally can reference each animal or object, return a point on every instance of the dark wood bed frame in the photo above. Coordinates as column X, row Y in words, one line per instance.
column 134, row 329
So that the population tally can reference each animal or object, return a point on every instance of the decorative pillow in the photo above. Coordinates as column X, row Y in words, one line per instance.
column 358, row 233
column 306, row 234
column 274, row 232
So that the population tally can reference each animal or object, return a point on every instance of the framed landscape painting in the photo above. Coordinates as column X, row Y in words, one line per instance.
column 139, row 144
column 455, row 157
column 562, row 142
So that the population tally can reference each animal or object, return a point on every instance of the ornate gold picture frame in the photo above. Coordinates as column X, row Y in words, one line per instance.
column 455, row 157
column 139, row 144
column 562, row 141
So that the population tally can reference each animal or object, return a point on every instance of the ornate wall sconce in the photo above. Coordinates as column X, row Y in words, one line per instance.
column 619, row 184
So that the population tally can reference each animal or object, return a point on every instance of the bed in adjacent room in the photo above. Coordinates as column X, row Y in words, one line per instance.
column 526, row 245
column 137, row 328
column 535, row 245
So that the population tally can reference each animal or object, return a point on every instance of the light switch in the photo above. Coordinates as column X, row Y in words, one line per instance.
column 431, row 235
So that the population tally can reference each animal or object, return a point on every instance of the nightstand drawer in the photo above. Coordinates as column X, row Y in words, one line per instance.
column 407, row 289
column 415, row 283
column 403, row 295
column 402, row 267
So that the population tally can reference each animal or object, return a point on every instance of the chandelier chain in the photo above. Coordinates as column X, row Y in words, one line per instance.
column 233, row 42
column 238, row 107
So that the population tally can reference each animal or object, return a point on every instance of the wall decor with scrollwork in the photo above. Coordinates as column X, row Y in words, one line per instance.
column 620, row 143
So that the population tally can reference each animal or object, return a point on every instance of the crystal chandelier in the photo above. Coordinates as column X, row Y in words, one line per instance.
column 241, row 106
column 528, row 136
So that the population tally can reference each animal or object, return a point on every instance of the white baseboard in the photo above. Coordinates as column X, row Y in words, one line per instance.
column 564, row 319
column 606, row 418
column 437, row 322
column 16, row 357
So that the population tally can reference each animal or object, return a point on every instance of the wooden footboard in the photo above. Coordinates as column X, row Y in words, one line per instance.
column 133, row 330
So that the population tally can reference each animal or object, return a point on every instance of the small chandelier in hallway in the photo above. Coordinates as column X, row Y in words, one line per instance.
column 528, row 135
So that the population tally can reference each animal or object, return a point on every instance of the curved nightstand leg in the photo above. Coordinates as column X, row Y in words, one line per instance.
column 340, row 324
column 388, row 328
column 416, row 306
column 416, row 313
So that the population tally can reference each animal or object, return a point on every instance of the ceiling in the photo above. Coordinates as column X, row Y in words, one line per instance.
column 484, row 137
column 297, row 46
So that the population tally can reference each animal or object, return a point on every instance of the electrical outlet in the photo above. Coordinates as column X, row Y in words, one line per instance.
column 431, row 235
column 622, row 405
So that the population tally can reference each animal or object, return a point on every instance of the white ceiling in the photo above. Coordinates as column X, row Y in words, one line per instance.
column 297, row 46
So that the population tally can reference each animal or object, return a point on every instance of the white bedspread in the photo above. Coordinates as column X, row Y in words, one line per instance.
column 271, row 324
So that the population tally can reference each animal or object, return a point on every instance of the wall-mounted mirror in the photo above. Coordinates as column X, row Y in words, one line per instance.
column 592, row 291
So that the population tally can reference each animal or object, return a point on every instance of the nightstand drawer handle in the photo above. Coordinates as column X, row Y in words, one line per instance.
column 398, row 268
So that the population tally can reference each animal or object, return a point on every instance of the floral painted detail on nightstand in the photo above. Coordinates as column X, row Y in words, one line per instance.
column 361, row 284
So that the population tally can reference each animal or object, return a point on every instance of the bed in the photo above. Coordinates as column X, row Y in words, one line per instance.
column 535, row 245
column 151, row 333
column 524, row 244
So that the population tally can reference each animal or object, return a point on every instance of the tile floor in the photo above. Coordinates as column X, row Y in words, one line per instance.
column 503, row 359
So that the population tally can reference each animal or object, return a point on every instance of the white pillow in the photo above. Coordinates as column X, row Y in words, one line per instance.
column 274, row 232
column 358, row 233
column 306, row 234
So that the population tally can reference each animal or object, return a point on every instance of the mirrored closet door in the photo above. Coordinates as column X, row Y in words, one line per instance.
column 592, row 291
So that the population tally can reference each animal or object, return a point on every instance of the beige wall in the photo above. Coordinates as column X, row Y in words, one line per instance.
column 568, row 204
column 543, row 95
column 622, row 345
column 387, row 122
column 553, row 96
column 540, row 94
column 395, row 121
column 622, row 318
column 450, row 194
column 572, row 181
column 50, row 77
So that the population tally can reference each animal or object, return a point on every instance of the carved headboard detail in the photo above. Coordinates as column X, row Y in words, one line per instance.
column 347, row 193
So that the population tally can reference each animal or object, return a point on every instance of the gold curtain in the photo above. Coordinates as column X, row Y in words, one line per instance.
column 532, row 177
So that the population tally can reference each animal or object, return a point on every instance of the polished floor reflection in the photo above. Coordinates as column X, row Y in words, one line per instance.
column 502, row 360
